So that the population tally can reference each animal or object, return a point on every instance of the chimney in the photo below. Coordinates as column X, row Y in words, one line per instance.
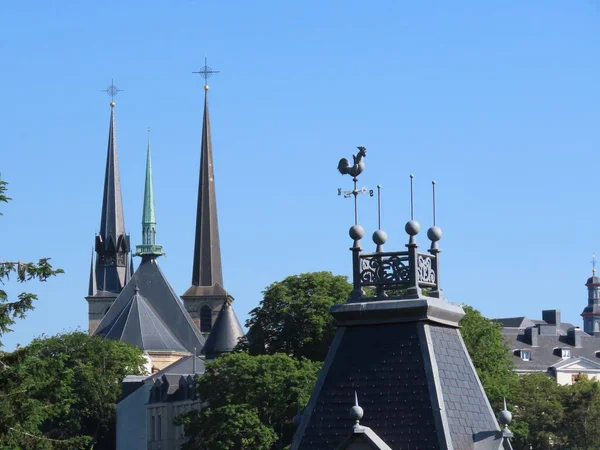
column 574, row 337
column 531, row 333
column 551, row 316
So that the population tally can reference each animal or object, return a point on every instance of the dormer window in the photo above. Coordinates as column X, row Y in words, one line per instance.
column 565, row 353
column 525, row 355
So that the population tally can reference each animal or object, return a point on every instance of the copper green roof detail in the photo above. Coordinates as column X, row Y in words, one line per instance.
column 148, row 246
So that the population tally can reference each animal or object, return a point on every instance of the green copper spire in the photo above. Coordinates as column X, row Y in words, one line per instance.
column 148, row 247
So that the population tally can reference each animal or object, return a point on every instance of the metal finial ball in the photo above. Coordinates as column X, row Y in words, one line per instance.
column 356, row 412
column 356, row 232
column 434, row 234
column 380, row 237
column 412, row 227
column 206, row 87
column 505, row 417
column 112, row 104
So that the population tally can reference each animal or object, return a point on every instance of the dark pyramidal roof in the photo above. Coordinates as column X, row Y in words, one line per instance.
column 157, row 305
column 139, row 325
column 225, row 334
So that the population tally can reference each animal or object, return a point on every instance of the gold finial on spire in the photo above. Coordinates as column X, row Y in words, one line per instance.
column 206, row 72
column 593, row 264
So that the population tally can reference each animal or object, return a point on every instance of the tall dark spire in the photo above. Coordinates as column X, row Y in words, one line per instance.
column 112, row 222
column 112, row 244
column 207, row 270
column 206, row 296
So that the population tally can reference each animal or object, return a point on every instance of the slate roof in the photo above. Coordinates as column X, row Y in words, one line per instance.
column 384, row 364
column 160, row 299
column 467, row 408
column 225, row 334
column 139, row 325
column 550, row 338
column 416, row 382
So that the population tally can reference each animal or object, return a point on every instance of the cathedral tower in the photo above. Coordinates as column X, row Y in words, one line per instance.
column 205, row 297
column 111, row 269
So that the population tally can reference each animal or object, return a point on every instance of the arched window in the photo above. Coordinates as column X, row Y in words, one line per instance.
column 205, row 319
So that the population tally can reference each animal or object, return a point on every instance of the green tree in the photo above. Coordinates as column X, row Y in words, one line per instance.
column 536, row 403
column 293, row 316
column 581, row 403
column 489, row 353
column 10, row 310
column 256, row 395
column 61, row 391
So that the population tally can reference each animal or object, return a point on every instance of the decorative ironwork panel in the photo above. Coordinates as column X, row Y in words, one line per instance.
column 425, row 271
column 384, row 269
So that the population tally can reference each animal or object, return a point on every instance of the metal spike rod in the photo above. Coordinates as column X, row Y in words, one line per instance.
column 593, row 264
column 433, row 188
column 379, row 207
column 412, row 203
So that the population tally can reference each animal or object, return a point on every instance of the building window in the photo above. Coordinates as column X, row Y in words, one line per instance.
column 525, row 355
column 159, row 427
column 205, row 319
column 566, row 353
column 153, row 429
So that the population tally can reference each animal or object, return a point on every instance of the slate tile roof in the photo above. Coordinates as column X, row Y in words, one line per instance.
column 384, row 364
column 467, row 408
column 162, row 300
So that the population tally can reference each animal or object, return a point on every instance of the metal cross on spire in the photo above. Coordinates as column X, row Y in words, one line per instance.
column 112, row 90
column 206, row 71
column 593, row 261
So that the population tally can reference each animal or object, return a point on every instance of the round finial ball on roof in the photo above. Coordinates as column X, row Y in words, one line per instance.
column 380, row 237
column 112, row 104
column 356, row 412
column 505, row 417
column 356, row 232
column 206, row 87
column 412, row 227
column 434, row 233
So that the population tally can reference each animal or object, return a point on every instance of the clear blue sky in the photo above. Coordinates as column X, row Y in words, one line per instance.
column 497, row 101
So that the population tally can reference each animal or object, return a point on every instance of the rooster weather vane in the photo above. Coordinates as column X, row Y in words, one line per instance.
column 354, row 170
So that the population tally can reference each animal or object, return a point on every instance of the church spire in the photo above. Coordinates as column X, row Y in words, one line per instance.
column 112, row 244
column 207, row 269
column 148, row 247
column 110, row 272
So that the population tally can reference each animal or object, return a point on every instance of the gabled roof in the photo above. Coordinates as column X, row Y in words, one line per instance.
column 363, row 438
column 162, row 300
column 515, row 322
column 576, row 364
column 139, row 325
column 225, row 333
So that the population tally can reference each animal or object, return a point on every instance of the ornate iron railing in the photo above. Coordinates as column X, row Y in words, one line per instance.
column 398, row 270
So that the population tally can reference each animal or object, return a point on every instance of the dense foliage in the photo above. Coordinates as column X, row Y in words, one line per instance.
column 293, row 317
column 489, row 353
column 256, row 396
column 61, row 391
